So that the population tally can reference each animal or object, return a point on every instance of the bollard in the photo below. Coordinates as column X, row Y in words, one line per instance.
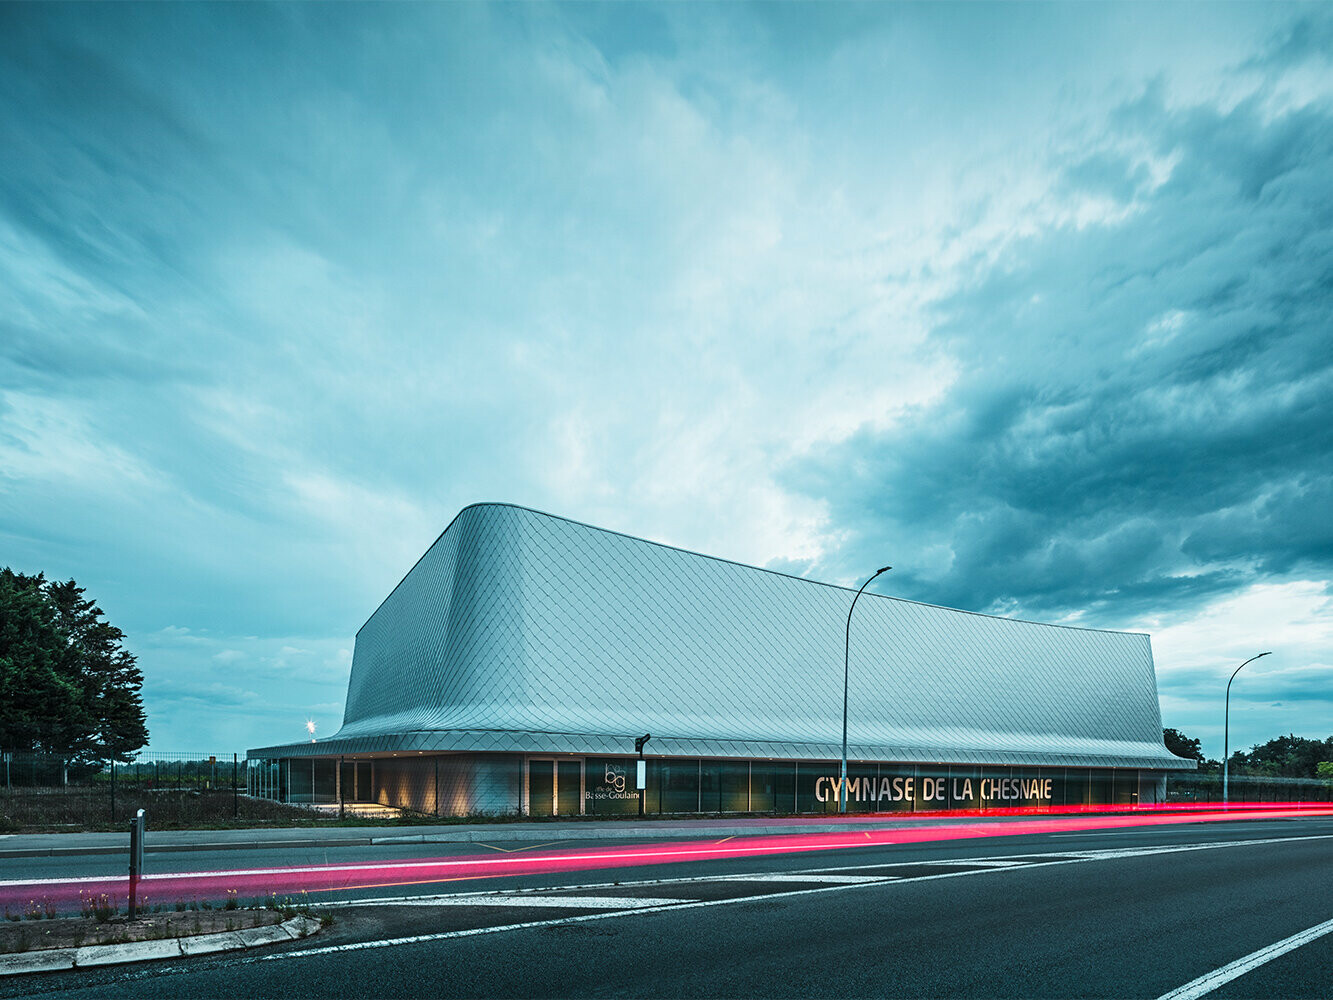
column 136, row 860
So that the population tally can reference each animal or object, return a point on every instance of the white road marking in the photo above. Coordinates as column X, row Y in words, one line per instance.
column 803, row 877
column 1081, row 857
column 1000, row 862
column 1219, row 977
column 567, row 902
column 1183, row 828
column 556, row 922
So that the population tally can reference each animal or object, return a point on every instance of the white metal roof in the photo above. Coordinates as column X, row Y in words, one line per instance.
column 521, row 631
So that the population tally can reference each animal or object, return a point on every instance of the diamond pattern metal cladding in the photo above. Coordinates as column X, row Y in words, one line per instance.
column 521, row 631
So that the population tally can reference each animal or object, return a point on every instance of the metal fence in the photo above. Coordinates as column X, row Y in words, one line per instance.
column 49, row 791
column 1205, row 788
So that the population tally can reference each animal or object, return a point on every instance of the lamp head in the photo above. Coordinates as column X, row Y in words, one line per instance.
column 884, row 570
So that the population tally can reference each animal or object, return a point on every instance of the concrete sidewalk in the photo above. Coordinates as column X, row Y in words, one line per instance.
column 36, row 845
column 61, row 959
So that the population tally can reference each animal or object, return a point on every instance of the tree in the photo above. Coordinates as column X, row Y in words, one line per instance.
column 1288, row 756
column 1181, row 745
column 67, row 684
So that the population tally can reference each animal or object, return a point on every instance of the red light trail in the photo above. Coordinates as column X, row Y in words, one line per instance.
column 167, row 888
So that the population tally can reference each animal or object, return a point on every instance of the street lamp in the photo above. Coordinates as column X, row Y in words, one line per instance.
column 1226, row 728
column 846, row 657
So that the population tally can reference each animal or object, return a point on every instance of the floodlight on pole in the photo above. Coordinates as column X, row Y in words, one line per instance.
column 846, row 660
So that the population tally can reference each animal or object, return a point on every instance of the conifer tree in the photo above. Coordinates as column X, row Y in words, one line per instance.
column 67, row 684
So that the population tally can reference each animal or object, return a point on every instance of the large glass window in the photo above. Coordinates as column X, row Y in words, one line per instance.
column 784, row 787
column 610, row 786
column 862, row 787
column 324, row 781
column 355, row 778
column 1077, row 789
column 763, row 786
column 993, row 788
column 568, row 790
column 729, row 786
column 1026, row 788
column 816, row 786
column 932, row 788
column 300, row 780
column 964, row 788
column 541, row 788
column 347, row 781
column 365, row 789
column 900, row 788
column 734, row 785
column 724, row 786
column 679, row 782
column 1101, row 788
column 1056, row 777
column 1126, row 785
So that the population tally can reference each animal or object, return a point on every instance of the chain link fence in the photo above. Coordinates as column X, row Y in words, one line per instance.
column 49, row 792
column 1207, row 787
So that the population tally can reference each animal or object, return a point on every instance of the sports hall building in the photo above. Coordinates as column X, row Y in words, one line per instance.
column 513, row 667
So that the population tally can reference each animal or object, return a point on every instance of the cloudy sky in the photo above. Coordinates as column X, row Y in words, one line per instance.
column 1032, row 302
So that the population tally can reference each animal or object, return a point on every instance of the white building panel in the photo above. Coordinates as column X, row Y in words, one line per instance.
column 520, row 631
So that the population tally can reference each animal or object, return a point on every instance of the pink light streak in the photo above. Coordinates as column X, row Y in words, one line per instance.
column 166, row 888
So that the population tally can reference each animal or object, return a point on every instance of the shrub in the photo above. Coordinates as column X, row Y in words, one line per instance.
column 100, row 907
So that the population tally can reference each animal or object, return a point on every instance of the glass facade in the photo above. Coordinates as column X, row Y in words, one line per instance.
column 610, row 787
column 569, row 787
column 676, row 788
column 815, row 787
column 607, row 786
column 541, row 788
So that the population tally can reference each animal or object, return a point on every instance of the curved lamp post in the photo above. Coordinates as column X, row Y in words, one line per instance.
column 1226, row 728
column 846, row 658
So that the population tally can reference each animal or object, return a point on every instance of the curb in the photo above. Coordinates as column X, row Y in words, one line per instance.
column 64, row 959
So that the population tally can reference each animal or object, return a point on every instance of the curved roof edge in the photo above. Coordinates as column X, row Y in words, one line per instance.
column 516, row 742
column 704, row 555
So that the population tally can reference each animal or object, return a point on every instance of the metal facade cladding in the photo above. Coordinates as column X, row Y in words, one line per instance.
column 519, row 631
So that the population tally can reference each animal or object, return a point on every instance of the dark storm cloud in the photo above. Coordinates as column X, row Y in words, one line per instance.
column 282, row 287
column 1144, row 414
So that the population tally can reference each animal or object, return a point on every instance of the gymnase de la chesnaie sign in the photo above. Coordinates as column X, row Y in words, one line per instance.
column 936, row 791
column 730, row 785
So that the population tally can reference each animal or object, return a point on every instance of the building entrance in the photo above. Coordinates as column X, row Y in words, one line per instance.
column 555, row 787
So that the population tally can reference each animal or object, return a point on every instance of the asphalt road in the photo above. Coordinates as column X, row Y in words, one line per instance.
column 1108, row 913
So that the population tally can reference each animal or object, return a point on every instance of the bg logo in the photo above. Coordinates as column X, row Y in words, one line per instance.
column 615, row 777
